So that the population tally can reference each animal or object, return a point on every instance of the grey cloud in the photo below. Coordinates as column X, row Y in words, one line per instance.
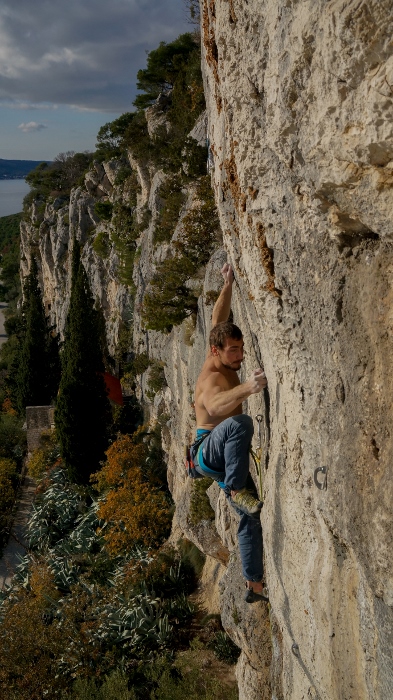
column 31, row 126
column 84, row 53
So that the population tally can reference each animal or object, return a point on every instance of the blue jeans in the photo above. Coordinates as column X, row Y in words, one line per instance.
column 224, row 456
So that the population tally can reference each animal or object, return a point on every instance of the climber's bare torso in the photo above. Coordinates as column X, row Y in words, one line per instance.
column 214, row 379
column 218, row 393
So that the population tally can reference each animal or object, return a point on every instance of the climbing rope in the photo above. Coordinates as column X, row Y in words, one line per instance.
column 257, row 455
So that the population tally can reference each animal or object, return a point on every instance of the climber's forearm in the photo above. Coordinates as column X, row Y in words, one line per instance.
column 222, row 307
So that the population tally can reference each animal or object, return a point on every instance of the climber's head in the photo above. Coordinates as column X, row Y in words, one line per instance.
column 226, row 344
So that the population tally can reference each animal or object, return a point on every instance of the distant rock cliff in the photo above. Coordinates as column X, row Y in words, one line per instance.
column 299, row 120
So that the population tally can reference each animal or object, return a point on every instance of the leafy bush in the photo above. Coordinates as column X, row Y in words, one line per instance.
column 124, row 232
column 200, row 508
column 171, row 192
column 185, row 678
column 101, row 244
column 104, row 210
column 139, row 364
column 200, row 226
column 224, row 648
column 163, row 66
column 110, row 137
column 170, row 298
column 12, row 437
column 165, row 572
column 131, row 504
column 132, row 188
column 114, row 687
column 156, row 381
column 44, row 457
column 123, row 175
column 57, row 178
column 194, row 158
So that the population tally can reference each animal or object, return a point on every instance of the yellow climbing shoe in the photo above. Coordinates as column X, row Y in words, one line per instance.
column 246, row 502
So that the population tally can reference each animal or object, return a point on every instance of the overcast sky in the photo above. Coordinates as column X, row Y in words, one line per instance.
column 69, row 66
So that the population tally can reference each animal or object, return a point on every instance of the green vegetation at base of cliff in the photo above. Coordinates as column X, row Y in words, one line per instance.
column 12, row 451
column 96, row 608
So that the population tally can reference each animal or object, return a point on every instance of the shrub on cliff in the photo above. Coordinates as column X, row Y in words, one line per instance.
column 104, row 210
column 163, row 67
column 82, row 414
column 110, row 137
column 170, row 297
column 173, row 69
column 57, row 178
column 172, row 196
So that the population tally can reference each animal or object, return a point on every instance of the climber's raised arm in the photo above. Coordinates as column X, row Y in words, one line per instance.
column 222, row 307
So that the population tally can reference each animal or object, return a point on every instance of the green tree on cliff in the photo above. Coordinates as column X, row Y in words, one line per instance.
column 37, row 360
column 83, row 413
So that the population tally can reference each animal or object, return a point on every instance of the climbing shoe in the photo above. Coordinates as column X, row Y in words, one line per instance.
column 246, row 502
column 252, row 597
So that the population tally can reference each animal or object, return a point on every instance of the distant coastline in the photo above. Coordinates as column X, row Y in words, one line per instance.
column 17, row 169
column 12, row 177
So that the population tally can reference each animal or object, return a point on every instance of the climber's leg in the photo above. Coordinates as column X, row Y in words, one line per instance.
column 227, row 447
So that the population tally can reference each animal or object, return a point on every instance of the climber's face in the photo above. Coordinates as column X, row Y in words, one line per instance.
column 231, row 355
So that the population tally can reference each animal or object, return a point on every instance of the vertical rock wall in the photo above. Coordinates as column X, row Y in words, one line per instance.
column 300, row 123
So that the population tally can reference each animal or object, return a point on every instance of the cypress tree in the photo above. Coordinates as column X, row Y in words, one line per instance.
column 37, row 361
column 83, row 413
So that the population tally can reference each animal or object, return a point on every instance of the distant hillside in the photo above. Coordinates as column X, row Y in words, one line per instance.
column 17, row 168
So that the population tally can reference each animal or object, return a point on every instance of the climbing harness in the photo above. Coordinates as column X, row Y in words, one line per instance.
column 322, row 485
column 257, row 454
column 188, row 461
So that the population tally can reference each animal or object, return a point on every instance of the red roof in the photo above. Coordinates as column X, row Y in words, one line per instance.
column 114, row 388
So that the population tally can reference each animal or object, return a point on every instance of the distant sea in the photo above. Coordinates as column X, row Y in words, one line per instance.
column 12, row 193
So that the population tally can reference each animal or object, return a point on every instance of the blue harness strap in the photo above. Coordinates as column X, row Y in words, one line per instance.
column 201, row 462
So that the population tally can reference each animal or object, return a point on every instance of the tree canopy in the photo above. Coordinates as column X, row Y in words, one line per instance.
column 82, row 415
column 163, row 66
column 37, row 363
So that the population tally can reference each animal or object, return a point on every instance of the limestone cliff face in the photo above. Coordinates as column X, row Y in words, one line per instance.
column 49, row 234
column 300, row 121
column 299, row 113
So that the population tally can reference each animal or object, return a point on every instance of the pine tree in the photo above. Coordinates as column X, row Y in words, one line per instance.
column 83, row 413
column 37, row 373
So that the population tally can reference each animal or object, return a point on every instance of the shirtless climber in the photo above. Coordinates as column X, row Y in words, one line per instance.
column 224, row 433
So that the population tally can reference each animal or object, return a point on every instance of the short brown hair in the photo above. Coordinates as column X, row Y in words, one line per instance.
column 221, row 332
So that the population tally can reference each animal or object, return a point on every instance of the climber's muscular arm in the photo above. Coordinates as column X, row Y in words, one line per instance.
column 222, row 400
column 222, row 307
